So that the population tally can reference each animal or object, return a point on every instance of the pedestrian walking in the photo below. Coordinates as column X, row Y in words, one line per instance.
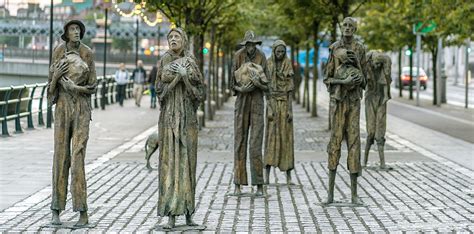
column 151, row 85
column 138, row 77
column 121, row 78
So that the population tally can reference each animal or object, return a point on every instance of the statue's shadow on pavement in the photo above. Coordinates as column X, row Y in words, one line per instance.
column 284, row 185
column 180, row 228
column 247, row 195
column 68, row 225
column 378, row 168
column 341, row 204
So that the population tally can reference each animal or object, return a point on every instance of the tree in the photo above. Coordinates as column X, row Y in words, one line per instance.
column 123, row 45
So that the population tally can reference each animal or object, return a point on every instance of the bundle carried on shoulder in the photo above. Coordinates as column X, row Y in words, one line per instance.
column 243, row 74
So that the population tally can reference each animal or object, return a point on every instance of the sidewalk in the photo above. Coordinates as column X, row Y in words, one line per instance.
column 423, row 193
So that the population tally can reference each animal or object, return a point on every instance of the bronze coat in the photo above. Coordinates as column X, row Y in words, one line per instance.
column 178, row 133
column 71, row 132
column 279, row 139
column 248, row 120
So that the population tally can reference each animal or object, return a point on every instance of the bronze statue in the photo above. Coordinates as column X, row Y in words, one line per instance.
column 72, row 80
column 180, row 89
column 279, row 141
column 376, row 96
column 249, row 83
column 151, row 146
column 345, row 79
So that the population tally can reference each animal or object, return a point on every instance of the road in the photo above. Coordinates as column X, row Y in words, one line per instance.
column 455, row 94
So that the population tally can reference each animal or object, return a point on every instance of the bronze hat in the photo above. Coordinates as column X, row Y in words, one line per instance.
column 250, row 38
column 77, row 22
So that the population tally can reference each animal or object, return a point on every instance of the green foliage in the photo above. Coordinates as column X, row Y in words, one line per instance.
column 123, row 45
column 9, row 40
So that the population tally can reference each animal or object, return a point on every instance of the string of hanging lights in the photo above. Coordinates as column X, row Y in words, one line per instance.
column 130, row 9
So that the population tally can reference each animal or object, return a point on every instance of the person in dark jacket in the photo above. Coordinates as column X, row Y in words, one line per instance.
column 151, row 81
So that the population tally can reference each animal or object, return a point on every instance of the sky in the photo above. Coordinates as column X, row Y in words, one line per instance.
column 13, row 5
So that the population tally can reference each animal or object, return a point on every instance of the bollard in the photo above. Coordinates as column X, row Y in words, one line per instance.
column 103, row 94
column 40, row 111
column 443, row 86
column 227, row 94
column 200, row 116
column 220, row 99
column 5, row 113
column 17, row 111
column 213, row 107
column 30, row 111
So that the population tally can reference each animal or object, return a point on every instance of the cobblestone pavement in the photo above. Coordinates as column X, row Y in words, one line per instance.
column 418, row 195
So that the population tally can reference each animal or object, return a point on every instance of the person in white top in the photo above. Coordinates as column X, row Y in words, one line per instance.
column 121, row 78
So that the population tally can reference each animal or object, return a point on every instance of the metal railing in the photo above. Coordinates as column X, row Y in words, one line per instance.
column 26, row 101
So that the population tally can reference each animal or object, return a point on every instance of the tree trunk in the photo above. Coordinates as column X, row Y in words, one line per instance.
column 306, row 80
column 216, row 76
column 334, row 29
column 434, row 57
column 223, row 83
column 229, row 71
column 209, row 75
column 292, row 55
column 314, row 106
column 411, row 73
column 298, row 76
column 400, row 85
column 345, row 8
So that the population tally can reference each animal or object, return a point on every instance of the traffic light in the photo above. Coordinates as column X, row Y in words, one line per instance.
column 205, row 50
column 408, row 52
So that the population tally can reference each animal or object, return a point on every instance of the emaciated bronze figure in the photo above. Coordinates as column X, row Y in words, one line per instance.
column 376, row 96
column 249, row 82
column 279, row 140
column 345, row 79
column 72, row 80
column 180, row 90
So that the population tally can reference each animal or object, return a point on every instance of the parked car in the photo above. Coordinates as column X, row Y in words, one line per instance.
column 405, row 77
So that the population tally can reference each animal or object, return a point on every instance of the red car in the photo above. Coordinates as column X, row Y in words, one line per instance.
column 406, row 77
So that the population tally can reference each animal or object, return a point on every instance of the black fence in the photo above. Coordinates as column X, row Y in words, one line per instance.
column 29, row 101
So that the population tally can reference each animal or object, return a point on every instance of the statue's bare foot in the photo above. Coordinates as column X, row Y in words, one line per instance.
column 237, row 190
column 171, row 223
column 289, row 181
column 189, row 221
column 55, row 219
column 148, row 166
column 167, row 226
column 356, row 201
column 330, row 199
column 259, row 190
column 83, row 219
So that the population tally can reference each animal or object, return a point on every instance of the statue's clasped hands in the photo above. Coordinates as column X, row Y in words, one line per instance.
column 60, row 69
column 68, row 84
column 182, row 71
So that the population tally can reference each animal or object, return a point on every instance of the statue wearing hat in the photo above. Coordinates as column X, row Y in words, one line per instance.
column 249, row 82
column 72, row 80
column 345, row 79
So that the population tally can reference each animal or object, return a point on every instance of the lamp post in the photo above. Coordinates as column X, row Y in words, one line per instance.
column 136, row 41
column 139, row 11
column 49, row 110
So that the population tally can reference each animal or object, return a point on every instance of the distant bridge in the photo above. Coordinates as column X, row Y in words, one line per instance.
column 123, row 30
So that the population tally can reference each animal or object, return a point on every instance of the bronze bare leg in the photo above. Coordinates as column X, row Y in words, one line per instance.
column 83, row 219
column 332, row 179
column 267, row 174
column 55, row 219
